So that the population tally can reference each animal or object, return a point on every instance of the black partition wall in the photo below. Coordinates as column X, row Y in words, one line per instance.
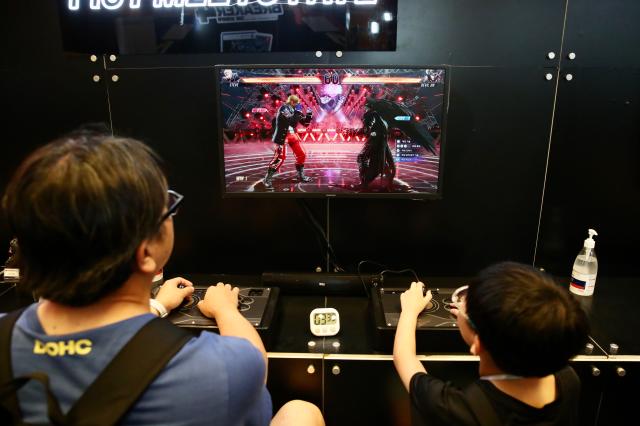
column 532, row 159
column 594, row 178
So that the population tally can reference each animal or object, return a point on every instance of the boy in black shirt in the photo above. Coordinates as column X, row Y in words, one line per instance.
column 524, row 329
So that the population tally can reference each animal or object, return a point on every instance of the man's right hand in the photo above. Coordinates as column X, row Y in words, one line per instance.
column 218, row 299
column 221, row 302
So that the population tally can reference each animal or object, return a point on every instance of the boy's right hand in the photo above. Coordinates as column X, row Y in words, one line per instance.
column 413, row 301
column 218, row 299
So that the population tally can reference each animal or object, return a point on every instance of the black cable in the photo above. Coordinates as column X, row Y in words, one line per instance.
column 319, row 233
column 366, row 290
column 401, row 271
column 384, row 271
column 323, row 235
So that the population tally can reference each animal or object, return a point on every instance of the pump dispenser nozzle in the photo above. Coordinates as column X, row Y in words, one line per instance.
column 589, row 242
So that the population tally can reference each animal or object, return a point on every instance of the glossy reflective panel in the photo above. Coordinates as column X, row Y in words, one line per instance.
column 279, row 27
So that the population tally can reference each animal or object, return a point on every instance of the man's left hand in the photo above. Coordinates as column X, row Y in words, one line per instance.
column 174, row 291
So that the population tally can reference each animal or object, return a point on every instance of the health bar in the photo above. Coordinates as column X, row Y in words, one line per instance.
column 381, row 80
column 281, row 80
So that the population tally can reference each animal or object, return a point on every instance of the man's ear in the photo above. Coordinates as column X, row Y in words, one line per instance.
column 476, row 347
column 145, row 261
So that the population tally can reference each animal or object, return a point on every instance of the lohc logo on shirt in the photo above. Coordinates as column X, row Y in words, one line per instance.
column 62, row 348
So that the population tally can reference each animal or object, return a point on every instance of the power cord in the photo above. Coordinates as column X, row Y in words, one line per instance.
column 322, row 236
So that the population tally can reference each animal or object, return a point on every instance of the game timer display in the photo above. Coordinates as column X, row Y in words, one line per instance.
column 320, row 131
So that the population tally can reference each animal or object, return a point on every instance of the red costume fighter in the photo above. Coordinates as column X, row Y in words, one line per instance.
column 288, row 117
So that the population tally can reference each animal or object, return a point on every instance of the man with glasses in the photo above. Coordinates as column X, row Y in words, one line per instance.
column 524, row 329
column 93, row 216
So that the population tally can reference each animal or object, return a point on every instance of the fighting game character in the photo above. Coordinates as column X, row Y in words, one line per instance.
column 330, row 98
column 229, row 76
column 289, row 115
column 375, row 158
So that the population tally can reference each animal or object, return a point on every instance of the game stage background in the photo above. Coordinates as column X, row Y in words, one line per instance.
column 249, row 99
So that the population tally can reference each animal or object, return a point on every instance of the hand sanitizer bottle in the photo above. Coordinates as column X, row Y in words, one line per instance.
column 585, row 268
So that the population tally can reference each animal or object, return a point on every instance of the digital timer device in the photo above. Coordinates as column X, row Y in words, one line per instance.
column 324, row 322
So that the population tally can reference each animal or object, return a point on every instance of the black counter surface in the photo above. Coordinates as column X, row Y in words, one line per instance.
column 611, row 310
column 613, row 313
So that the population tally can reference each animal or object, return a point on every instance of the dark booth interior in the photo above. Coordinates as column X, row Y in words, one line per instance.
column 542, row 140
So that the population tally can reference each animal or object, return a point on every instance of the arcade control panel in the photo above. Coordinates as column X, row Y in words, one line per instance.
column 256, row 304
column 436, row 328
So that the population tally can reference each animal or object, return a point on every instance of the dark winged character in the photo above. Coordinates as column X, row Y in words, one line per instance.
column 380, row 116
column 375, row 158
column 390, row 111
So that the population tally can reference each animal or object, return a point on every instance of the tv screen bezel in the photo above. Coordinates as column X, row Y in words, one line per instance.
column 296, row 195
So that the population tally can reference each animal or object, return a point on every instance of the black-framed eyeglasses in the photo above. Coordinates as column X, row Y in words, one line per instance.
column 458, row 300
column 175, row 199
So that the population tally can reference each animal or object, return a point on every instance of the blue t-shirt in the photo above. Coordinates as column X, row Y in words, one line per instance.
column 213, row 380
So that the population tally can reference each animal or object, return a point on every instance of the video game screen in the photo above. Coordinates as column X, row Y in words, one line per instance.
column 310, row 131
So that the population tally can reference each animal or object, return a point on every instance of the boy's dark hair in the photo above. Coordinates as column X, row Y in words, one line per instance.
column 529, row 325
column 80, row 206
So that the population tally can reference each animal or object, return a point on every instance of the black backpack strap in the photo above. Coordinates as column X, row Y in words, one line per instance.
column 8, row 397
column 10, row 389
column 481, row 406
column 118, row 387
column 127, row 376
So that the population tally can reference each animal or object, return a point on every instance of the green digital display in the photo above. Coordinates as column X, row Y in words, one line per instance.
column 324, row 319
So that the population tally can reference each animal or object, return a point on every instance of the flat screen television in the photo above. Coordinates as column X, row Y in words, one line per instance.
column 331, row 131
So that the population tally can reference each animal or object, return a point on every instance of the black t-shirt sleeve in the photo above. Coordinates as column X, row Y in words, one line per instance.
column 435, row 402
column 568, row 386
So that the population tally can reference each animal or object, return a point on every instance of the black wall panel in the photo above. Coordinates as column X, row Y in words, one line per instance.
column 494, row 169
column 472, row 33
column 495, row 158
column 593, row 179
column 45, row 93
column 202, row 60
column 603, row 33
column 30, row 35
column 174, row 111
column 498, row 128
column 40, row 104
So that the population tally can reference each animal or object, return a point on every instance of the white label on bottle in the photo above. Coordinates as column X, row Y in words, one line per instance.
column 582, row 284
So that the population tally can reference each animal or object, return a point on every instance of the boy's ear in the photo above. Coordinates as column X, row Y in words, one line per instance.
column 145, row 261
